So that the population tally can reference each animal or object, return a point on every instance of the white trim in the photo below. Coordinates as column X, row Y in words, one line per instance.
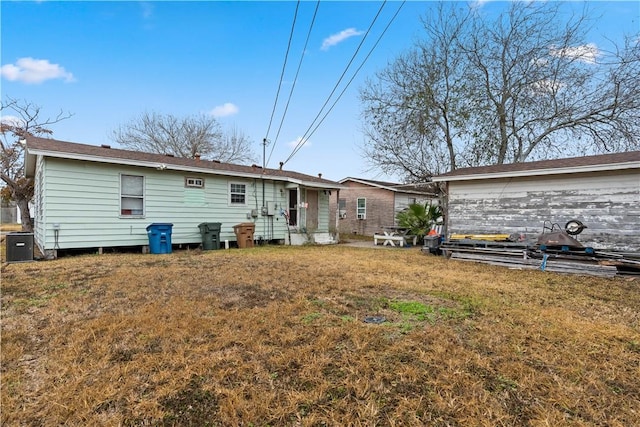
column 143, row 197
column 170, row 166
column 244, row 184
column 540, row 172
column 360, row 216
column 385, row 187
column 194, row 182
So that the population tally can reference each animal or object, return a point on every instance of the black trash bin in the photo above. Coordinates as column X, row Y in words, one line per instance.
column 19, row 246
column 432, row 243
column 210, row 232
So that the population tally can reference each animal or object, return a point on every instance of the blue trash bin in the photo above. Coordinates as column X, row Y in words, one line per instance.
column 159, row 238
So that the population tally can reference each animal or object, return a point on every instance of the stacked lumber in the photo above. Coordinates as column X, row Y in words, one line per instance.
column 522, row 255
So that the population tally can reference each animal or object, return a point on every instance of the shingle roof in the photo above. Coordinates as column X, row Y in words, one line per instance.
column 105, row 153
column 421, row 188
column 630, row 159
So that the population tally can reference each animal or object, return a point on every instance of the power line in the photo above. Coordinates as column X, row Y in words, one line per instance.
column 284, row 65
column 309, row 131
column 299, row 145
column 295, row 80
column 303, row 138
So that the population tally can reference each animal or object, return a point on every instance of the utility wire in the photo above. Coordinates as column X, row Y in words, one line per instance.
column 295, row 80
column 293, row 25
column 303, row 140
column 353, row 57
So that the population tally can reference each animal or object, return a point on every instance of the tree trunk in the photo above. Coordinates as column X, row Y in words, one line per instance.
column 25, row 215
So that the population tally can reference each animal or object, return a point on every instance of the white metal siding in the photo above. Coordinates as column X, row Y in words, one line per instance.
column 607, row 202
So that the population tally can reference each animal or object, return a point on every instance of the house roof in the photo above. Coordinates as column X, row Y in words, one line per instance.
column 601, row 162
column 105, row 154
column 420, row 188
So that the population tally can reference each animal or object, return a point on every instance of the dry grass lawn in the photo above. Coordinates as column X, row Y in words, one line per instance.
column 275, row 336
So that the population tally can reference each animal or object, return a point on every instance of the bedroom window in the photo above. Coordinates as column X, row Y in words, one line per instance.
column 362, row 208
column 131, row 195
column 194, row 182
column 237, row 194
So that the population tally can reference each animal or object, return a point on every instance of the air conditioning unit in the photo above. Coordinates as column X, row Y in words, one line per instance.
column 362, row 216
column 342, row 214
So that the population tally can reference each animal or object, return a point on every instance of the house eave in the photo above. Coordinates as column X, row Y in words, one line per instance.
column 386, row 187
column 539, row 172
column 32, row 153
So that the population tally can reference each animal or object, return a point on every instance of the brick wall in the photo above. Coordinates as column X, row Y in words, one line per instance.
column 379, row 204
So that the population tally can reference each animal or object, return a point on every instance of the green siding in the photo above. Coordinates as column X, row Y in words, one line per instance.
column 323, row 212
column 84, row 199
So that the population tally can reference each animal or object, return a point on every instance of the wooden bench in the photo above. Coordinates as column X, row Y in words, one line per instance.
column 389, row 240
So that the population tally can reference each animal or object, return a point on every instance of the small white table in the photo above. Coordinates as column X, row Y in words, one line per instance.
column 393, row 235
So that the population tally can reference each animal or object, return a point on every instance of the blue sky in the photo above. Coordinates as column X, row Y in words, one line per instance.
column 107, row 62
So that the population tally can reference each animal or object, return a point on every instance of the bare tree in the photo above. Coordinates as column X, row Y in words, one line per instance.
column 414, row 111
column 184, row 137
column 525, row 86
column 237, row 147
column 23, row 120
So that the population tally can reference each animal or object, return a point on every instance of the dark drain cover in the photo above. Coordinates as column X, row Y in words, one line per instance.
column 375, row 319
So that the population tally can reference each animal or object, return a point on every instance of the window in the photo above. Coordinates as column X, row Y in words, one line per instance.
column 342, row 208
column 131, row 195
column 194, row 182
column 237, row 194
column 362, row 208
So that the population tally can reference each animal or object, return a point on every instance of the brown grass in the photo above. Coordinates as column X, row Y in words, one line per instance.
column 275, row 336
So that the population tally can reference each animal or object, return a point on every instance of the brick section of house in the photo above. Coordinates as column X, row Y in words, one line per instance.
column 379, row 209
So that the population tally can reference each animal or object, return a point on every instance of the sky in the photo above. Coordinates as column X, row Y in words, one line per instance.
column 107, row 62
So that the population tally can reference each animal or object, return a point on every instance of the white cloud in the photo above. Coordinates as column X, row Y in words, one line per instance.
column 227, row 109
column 588, row 53
column 334, row 39
column 12, row 121
column 293, row 144
column 34, row 71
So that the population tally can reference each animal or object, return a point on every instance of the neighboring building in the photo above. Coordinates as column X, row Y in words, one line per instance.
column 97, row 197
column 602, row 192
column 9, row 213
column 365, row 206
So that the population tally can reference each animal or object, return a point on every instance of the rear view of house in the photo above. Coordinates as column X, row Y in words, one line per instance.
column 100, row 197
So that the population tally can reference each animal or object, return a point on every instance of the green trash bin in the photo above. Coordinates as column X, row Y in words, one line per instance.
column 210, row 232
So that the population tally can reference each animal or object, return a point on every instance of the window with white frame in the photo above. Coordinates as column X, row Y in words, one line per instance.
column 237, row 193
column 194, row 182
column 131, row 195
column 362, row 208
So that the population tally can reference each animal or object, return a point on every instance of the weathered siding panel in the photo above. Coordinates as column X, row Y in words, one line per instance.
column 608, row 203
column 84, row 199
